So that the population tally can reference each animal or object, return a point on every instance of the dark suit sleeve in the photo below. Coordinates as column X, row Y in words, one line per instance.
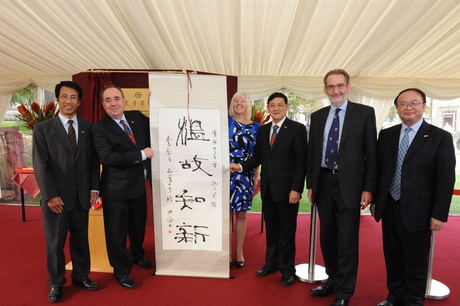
column 40, row 157
column 445, row 177
column 300, row 155
column 314, row 145
column 370, row 152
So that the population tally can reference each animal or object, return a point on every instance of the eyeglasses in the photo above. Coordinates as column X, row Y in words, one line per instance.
column 413, row 104
column 333, row 87
column 64, row 98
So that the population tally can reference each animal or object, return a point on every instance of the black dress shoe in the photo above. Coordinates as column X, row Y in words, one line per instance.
column 55, row 294
column 339, row 302
column 385, row 303
column 264, row 271
column 126, row 281
column 143, row 263
column 323, row 290
column 287, row 280
column 86, row 284
column 239, row 264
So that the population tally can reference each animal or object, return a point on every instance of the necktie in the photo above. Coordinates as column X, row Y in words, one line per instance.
column 395, row 188
column 72, row 136
column 332, row 145
column 275, row 132
column 128, row 131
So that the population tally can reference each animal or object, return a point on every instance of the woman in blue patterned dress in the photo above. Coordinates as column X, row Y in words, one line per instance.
column 242, row 139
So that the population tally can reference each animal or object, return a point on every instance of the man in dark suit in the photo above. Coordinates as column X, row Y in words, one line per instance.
column 341, row 176
column 283, row 159
column 67, row 171
column 122, row 140
column 416, row 181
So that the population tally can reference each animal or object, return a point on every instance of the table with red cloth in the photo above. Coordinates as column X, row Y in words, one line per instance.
column 25, row 179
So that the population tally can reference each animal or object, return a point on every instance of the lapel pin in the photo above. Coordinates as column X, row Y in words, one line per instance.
column 426, row 136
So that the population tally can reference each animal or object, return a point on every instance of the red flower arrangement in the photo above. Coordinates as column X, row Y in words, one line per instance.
column 259, row 116
column 32, row 114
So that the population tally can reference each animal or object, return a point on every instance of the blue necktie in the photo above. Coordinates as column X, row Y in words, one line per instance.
column 332, row 146
column 275, row 131
column 395, row 188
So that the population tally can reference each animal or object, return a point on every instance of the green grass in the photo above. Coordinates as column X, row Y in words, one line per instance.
column 305, row 206
column 22, row 128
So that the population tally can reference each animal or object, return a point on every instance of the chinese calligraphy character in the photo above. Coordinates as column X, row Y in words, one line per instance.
column 193, row 131
column 185, row 236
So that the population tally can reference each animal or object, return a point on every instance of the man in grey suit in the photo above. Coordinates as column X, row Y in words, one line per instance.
column 122, row 140
column 281, row 149
column 416, row 181
column 67, row 171
column 341, row 177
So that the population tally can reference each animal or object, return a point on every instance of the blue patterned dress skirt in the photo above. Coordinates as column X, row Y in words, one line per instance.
column 242, row 140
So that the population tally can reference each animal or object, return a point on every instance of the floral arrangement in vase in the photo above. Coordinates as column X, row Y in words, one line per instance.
column 31, row 113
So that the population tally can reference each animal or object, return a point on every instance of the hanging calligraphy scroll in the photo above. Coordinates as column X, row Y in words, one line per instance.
column 188, row 115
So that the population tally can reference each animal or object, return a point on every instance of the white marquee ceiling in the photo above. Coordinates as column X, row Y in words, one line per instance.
column 385, row 45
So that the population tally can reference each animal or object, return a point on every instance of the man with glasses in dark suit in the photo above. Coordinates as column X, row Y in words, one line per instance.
column 341, row 177
column 416, row 182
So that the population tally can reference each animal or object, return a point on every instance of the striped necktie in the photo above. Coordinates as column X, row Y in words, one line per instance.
column 72, row 136
column 128, row 131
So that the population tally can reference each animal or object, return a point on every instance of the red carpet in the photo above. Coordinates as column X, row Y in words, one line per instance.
column 24, row 275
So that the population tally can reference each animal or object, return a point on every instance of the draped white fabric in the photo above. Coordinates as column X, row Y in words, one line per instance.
column 386, row 46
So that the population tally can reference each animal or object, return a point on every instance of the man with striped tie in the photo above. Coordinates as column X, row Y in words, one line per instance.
column 122, row 140
column 67, row 171
column 281, row 149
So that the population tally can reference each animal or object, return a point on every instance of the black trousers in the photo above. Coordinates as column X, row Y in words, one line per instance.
column 123, row 218
column 406, row 257
column 281, row 225
column 339, row 235
column 56, row 227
